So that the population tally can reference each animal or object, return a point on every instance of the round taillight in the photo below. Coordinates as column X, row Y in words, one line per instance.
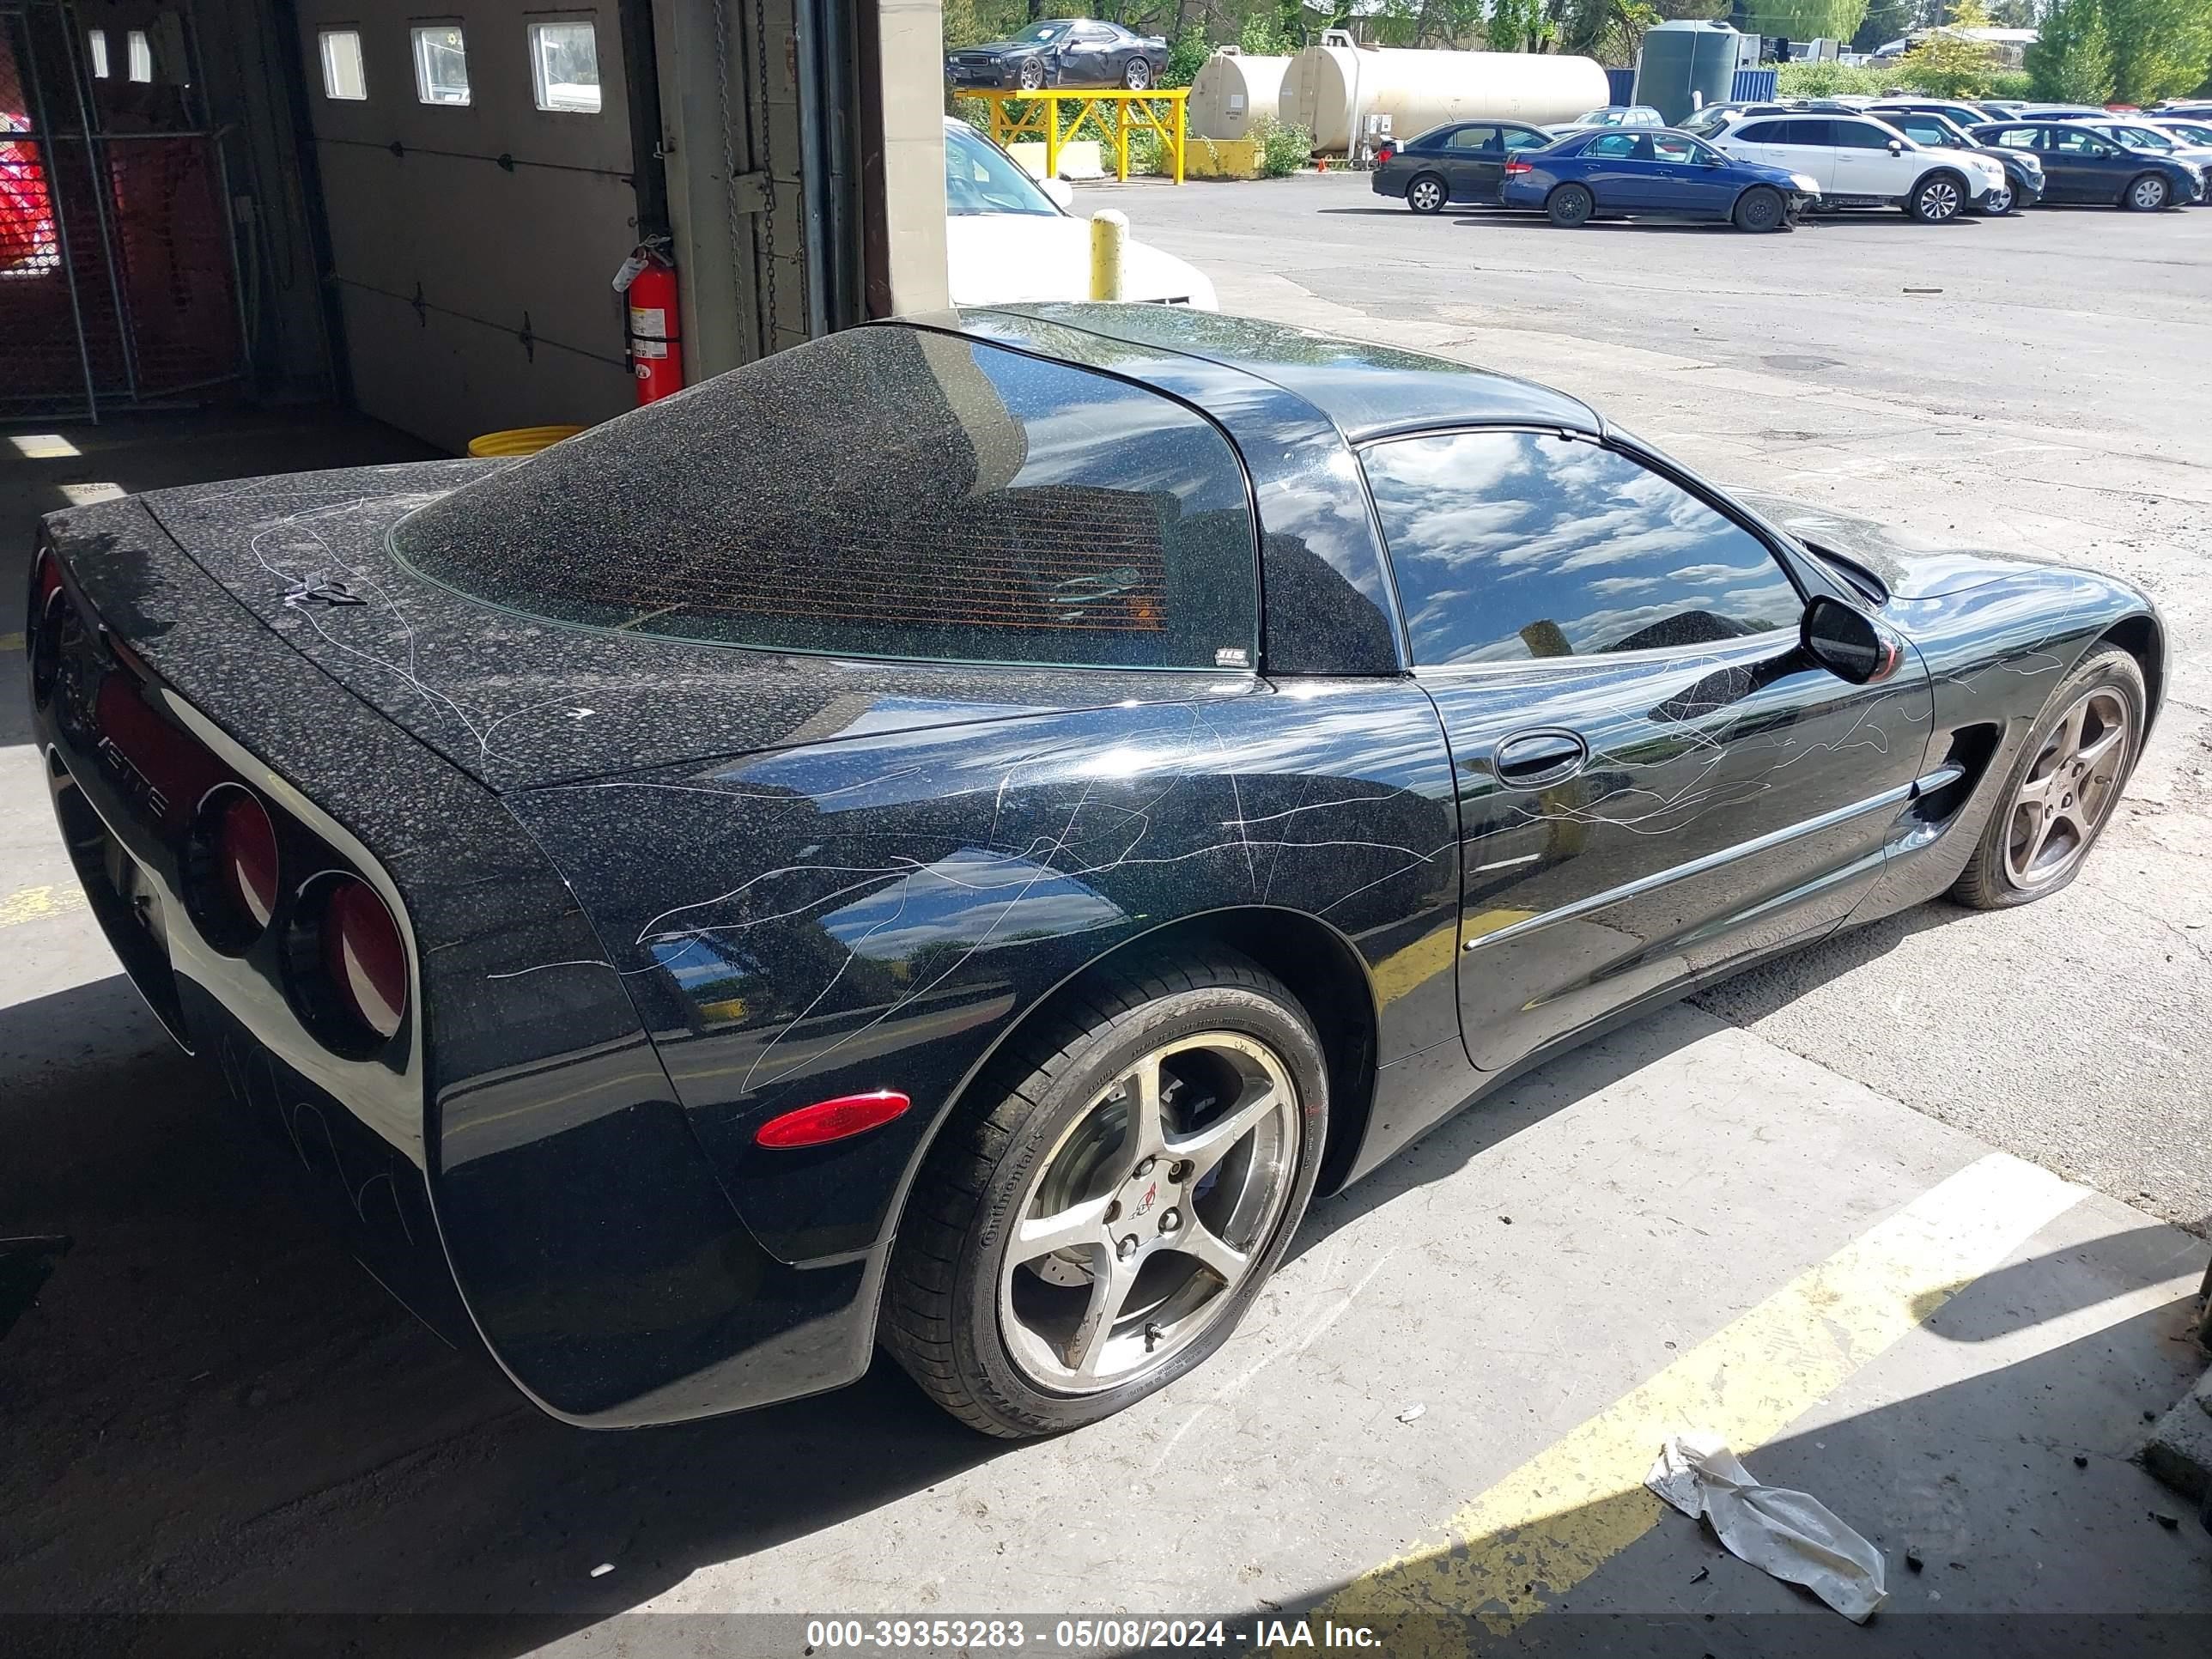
column 364, row 964
column 246, row 859
column 231, row 869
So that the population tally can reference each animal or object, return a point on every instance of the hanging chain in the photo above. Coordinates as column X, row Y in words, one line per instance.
column 735, row 214
column 760, row 160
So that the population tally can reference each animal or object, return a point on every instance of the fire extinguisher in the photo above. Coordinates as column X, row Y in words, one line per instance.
column 648, row 280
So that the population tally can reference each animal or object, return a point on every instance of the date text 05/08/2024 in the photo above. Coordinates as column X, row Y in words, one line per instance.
column 1121, row 1633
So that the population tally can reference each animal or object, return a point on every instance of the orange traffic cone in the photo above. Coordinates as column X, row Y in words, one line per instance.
column 1322, row 162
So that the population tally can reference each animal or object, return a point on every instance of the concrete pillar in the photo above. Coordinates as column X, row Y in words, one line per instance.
column 902, row 125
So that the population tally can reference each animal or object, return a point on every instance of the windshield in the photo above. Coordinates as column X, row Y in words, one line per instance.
column 2141, row 138
column 2191, row 131
column 981, row 178
column 1037, row 33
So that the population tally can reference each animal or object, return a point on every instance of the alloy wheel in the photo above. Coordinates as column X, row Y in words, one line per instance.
column 2000, row 201
column 1032, row 76
column 1138, row 76
column 2067, row 792
column 1426, row 194
column 1148, row 1213
column 1939, row 200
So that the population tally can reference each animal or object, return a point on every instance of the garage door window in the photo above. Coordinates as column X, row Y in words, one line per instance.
column 442, row 64
column 343, row 76
column 1509, row 545
column 564, row 65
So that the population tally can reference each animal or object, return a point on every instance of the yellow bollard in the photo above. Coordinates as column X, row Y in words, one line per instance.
column 1109, row 235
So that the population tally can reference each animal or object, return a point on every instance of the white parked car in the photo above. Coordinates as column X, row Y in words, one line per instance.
column 1009, row 238
column 1862, row 163
column 1610, row 115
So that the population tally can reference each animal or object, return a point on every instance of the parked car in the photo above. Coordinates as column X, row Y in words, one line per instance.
column 2081, row 165
column 1008, row 238
column 1931, row 130
column 2195, row 132
column 1859, row 161
column 1064, row 52
column 845, row 855
column 1704, row 123
column 1459, row 161
column 2152, row 136
column 1965, row 114
column 1661, row 173
column 1610, row 115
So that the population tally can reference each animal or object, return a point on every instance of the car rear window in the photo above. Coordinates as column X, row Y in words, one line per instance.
column 887, row 492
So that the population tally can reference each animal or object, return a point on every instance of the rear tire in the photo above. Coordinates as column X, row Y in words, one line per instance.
column 1759, row 208
column 1427, row 194
column 1938, row 198
column 1570, row 206
column 1138, row 76
column 1171, row 1249
column 2062, row 790
column 2149, row 194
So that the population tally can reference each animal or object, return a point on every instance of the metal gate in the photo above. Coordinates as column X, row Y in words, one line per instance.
column 118, row 280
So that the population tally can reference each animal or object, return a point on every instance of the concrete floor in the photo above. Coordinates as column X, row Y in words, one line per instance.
column 1787, row 1217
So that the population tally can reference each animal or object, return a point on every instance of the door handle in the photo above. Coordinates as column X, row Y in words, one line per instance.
column 1531, row 760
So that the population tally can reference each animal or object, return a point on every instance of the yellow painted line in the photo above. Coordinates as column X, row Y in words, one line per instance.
column 12, row 642
column 36, row 903
column 1531, row 1539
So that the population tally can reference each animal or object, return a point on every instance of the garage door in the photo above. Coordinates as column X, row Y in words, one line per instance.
column 475, row 169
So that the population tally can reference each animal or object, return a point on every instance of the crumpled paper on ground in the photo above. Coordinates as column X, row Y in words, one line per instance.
column 1787, row 1534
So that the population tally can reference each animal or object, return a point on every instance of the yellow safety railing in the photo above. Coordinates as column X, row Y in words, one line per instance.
column 1111, row 114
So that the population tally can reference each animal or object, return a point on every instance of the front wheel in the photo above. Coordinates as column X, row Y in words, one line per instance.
column 1759, row 208
column 1427, row 194
column 1097, row 1219
column 1032, row 76
column 1570, row 205
column 1998, row 202
column 2149, row 194
column 1138, row 76
column 1937, row 199
column 2063, row 789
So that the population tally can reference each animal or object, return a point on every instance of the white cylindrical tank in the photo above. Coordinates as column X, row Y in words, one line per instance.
column 1232, row 91
column 1330, row 89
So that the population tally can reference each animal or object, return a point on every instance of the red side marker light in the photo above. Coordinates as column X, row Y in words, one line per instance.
column 831, row 1120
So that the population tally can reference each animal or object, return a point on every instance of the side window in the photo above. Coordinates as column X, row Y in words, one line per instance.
column 564, row 65
column 1523, row 138
column 1614, row 146
column 2018, row 138
column 342, row 76
column 95, row 41
column 1812, row 135
column 1763, row 132
column 1672, row 146
column 140, row 47
column 1921, row 132
column 1858, row 135
column 1474, row 138
column 1509, row 546
column 2075, row 142
column 442, row 64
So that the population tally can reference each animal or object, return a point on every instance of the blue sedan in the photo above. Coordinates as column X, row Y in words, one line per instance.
column 1656, row 171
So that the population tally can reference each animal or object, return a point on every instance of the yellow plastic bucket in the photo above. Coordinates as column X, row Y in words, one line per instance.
column 519, row 440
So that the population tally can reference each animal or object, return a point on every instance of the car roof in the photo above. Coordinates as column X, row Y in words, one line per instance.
column 1364, row 390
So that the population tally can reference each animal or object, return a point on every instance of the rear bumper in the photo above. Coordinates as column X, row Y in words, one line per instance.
column 525, row 1179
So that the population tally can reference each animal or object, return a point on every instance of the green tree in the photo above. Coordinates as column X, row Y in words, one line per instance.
column 1186, row 55
column 2071, row 62
column 1806, row 20
column 1945, row 62
column 1264, row 36
column 2160, row 48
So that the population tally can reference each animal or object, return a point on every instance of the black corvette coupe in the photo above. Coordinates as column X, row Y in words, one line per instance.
column 951, row 835
column 1063, row 51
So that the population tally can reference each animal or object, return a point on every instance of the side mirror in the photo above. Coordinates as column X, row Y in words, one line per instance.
column 1062, row 192
column 1897, row 146
column 1847, row 642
